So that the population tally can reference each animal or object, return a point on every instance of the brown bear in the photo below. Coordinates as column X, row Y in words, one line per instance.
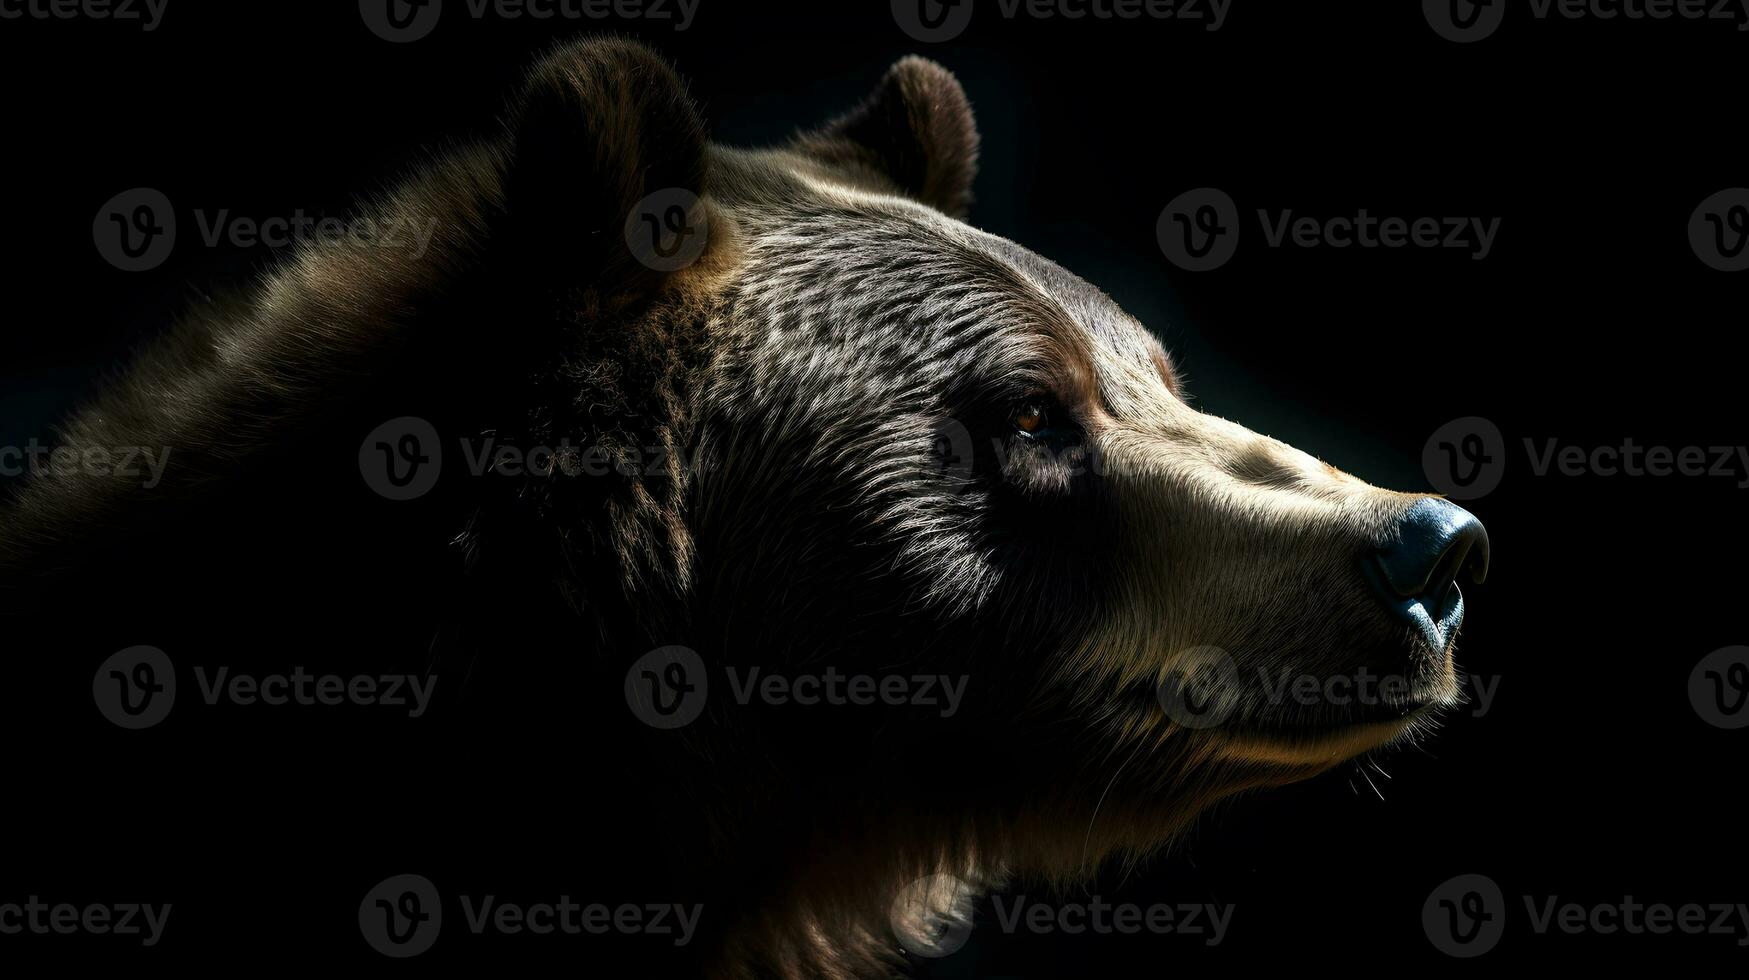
column 955, row 578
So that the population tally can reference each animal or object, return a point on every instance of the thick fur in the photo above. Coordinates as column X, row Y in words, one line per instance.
column 794, row 385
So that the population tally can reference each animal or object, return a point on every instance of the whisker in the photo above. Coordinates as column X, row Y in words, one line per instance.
column 1374, row 786
column 1087, row 841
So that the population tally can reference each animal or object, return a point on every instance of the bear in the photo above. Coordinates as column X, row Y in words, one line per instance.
column 799, row 421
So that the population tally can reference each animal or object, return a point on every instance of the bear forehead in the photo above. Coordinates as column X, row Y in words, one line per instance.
column 922, row 298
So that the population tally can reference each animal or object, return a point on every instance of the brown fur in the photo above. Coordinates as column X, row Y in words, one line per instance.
column 793, row 378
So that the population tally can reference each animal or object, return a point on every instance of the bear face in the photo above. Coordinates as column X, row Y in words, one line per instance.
column 850, row 433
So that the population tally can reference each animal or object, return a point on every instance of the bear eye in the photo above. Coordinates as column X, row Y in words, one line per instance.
column 1032, row 417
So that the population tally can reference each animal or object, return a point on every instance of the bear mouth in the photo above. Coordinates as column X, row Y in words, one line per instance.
column 1416, row 689
column 1307, row 751
column 1317, row 736
column 1398, row 688
column 1297, row 726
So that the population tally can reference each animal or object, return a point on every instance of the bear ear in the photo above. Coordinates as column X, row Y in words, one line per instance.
column 599, row 127
column 915, row 131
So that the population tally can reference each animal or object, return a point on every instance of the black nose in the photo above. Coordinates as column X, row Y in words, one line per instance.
column 1416, row 572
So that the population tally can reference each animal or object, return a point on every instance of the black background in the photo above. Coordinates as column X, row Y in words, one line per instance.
column 1591, row 778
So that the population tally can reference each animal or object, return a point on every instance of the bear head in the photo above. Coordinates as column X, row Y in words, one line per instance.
column 807, row 425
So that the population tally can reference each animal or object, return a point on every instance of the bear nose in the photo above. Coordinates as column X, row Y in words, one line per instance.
column 1416, row 572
